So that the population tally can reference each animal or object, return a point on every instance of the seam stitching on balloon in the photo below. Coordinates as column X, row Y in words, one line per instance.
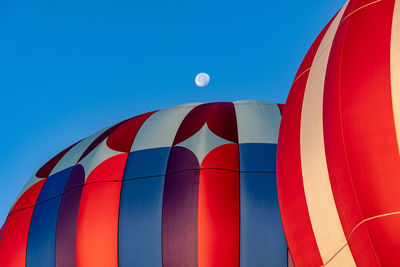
column 357, row 226
column 358, row 9
column 133, row 179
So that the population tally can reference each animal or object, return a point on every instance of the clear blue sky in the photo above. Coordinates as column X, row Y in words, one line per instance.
column 69, row 68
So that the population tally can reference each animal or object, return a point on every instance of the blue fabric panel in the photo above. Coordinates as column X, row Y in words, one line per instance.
column 262, row 242
column 140, row 216
column 42, row 232
column 148, row 162
column 257, row 157
column 54, row 185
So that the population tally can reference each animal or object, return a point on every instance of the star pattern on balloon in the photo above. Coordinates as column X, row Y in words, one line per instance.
column 202, row 142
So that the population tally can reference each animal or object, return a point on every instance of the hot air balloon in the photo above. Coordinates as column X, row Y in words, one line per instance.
column 191, row 185
column 338, row 169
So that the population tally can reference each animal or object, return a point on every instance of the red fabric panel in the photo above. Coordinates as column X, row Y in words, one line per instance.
column 223, row 157
column 368, row 124
column 97, row 231
column 219, row 210
column 29, row 197
column 15, row 234
column 342, row 187
column 294, row 212
column 122, row 138
column 220, row 118
column 46, row 169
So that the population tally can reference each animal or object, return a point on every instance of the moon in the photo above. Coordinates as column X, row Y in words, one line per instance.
column 202, row 79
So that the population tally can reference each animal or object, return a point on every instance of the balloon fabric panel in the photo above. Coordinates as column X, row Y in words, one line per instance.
column 15, row 232
column 140, row 222
column 256, row 157
column 179, row 212
column 258, row 191
column 141, row 208
column 68, row 218
column 42, row 231
column 219, row 208
column 97, row 232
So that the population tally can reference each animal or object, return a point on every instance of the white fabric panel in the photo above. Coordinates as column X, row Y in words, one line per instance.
column 323, row 214
column 160, row 128
column 72, row 156
column 202, row 142
column 395, row 67
column 258, row 121
column 101, row 153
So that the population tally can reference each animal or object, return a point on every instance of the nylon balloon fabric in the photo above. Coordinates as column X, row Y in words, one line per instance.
column 191, row 185
column 338, row 154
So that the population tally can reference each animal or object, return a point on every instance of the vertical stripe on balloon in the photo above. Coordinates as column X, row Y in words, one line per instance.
column 15, row 232
column 262, row 242
column 179, row 211
column 140, row 222
column 97, row 232
column 260, row 222
column 42, row 232
column 68, row 219
column 318, row 192
column 141, row 208
column 219, row 208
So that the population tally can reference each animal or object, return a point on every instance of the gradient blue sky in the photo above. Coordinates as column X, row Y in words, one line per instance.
column 69, row 68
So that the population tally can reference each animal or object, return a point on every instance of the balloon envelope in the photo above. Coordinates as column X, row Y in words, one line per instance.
column 338, row 157
column 191, row 185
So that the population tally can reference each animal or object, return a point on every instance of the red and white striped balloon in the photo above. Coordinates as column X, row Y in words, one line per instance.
column 338, row 155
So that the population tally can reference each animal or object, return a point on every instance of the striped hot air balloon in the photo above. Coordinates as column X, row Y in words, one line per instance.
column 191, row 185
column 338, row 155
